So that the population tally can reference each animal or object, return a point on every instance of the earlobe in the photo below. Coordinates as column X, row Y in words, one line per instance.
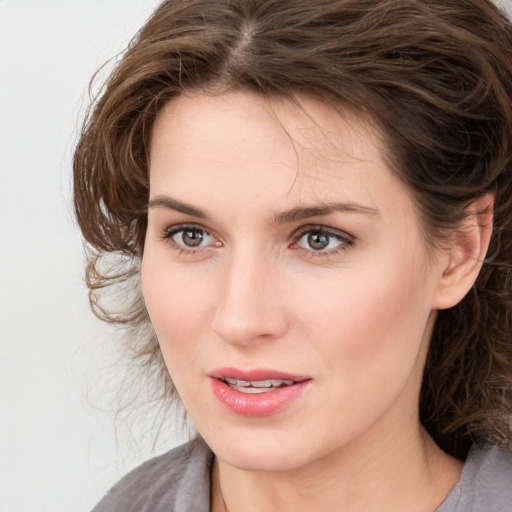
column 459, row 267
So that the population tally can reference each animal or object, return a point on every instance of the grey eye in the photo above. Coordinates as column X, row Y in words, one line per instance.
column 321, row 240
column 192, row 237
column 318, row 240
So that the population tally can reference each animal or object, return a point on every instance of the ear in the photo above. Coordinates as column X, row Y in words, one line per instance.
column 460, row 265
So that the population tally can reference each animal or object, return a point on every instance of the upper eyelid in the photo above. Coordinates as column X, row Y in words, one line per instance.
column 325, row 229
column 176, row 228
column 301, row 229
column 169, row 232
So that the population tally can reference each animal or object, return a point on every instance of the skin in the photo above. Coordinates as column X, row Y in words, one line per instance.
column 355, row 317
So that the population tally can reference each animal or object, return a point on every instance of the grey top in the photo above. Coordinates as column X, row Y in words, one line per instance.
column 179, row 481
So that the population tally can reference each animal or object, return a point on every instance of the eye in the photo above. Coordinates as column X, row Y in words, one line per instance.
column 322, row 240
column 189, row 238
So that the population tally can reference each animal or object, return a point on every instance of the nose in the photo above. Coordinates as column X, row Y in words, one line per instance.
column 250, row 307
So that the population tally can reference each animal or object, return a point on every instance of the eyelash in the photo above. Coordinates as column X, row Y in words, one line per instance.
column 345, row 240
column 170, row 232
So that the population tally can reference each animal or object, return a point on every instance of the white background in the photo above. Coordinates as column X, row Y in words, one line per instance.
column 59, row 452
column 58, row 448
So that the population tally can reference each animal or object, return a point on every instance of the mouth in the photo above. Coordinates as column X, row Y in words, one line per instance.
column 256, row 392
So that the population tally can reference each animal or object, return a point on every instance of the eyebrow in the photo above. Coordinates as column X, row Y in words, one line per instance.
column 298, row 213
column 304, row 212
column 174, row 204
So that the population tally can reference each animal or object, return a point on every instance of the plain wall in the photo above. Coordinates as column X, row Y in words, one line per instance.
column 59, row 451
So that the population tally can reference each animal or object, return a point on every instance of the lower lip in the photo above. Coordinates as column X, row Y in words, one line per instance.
column 257, row 404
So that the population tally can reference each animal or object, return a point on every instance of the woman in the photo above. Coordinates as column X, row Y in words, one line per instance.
column 318, row 197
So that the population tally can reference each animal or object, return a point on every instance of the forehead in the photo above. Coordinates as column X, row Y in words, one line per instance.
column 270, row 148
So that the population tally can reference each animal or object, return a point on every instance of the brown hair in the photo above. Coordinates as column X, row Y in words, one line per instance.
column 434, row 75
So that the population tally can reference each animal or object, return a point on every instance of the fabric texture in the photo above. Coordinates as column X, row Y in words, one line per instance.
column 485, row 484
column 179, row 481
column 176, row 481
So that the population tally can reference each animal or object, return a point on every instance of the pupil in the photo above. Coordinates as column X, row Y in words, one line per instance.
column 192, row 238
column 318, row 240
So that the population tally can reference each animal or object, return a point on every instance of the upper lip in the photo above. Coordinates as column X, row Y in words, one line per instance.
column 257, row 374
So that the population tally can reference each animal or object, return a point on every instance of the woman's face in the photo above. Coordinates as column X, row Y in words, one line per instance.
column 286, row 277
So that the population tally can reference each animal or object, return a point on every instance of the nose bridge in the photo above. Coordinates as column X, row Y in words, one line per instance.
column 248, row 308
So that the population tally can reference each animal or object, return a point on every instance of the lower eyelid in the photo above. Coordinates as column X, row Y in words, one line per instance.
column 344, row 243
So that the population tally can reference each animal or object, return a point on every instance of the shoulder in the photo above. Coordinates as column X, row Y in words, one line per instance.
column 177, row 480
column 490, row 478
column 485, row 484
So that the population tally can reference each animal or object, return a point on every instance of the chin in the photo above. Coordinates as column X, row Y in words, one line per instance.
column 258, row 451
column 260, row 459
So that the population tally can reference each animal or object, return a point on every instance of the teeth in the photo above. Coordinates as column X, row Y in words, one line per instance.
column 256, row 386
column 253, row 391
column 236, row 382
column 261, row 383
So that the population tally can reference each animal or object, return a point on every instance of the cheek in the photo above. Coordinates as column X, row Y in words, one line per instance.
column 174, row 298
column 175, row 303
column 371, row 325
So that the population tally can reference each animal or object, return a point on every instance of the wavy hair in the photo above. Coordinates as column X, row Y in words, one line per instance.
column 435, row 76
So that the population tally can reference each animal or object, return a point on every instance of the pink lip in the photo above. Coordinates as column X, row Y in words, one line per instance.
column 260, row 404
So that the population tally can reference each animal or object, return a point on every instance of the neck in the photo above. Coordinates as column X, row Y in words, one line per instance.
column 401, row 474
